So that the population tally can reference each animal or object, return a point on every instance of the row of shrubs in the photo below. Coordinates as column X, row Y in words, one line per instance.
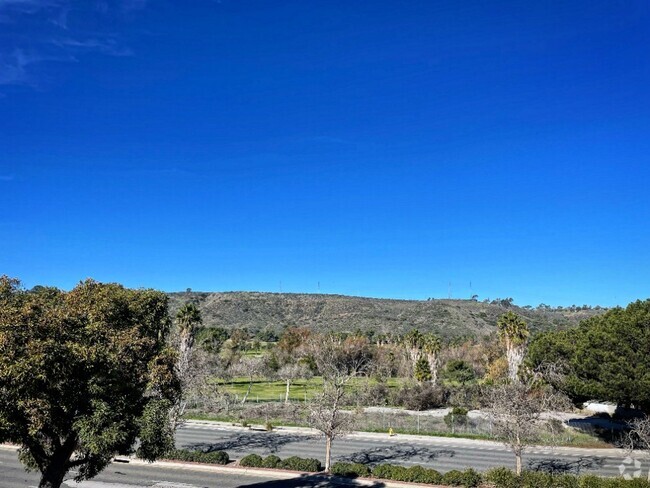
column 505, row 478
column 496, row 477
column 213, row 457
column 294, row 463
column 415, row 474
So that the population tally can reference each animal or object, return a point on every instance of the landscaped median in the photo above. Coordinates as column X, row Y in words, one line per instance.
column 499, row 477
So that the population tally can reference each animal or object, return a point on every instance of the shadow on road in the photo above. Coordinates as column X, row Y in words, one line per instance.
column 312, row 481
column 556, row 466
column 405, row 452
column 246, row 441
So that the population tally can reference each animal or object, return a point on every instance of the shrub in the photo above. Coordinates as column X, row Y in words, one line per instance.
column 419, row 474
column 502, row 478
column 214, row 457
column 268, row 427
column 589, row 481
column 296, row 463
column 471, row 479
column 471, row 397
column 271, row 461
column 252, row 461
column 457, row 417
column 420, row 397
column 350, row 470
column 453, row 478
column 565, row 481
column 533, row 479
column 390, row 472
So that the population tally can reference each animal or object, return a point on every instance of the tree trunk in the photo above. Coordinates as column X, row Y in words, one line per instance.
column 515, row 356
column 433, row 368
column 328, row 453
column 52, row 477
column 250, row 385
column 518, row 456
column 286, row 395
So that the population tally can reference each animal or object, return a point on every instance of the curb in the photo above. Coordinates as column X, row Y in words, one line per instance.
column 281, row 474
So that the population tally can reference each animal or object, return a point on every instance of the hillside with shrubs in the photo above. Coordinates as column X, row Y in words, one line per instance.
column 448, row 318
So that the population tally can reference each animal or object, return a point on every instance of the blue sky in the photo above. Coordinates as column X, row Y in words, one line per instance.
column 385, row 148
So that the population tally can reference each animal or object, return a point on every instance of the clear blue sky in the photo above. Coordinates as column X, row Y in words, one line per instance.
column 379, row 148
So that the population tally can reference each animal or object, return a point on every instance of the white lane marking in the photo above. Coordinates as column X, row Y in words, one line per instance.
column 101, row 484
column 98, row 484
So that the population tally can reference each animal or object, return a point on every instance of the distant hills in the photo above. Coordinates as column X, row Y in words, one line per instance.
column 448, row 318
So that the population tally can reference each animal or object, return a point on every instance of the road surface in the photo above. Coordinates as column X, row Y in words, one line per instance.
column 117, row 475
column 442, row 454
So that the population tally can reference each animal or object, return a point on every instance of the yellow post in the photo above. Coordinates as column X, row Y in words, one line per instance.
column 390, row 432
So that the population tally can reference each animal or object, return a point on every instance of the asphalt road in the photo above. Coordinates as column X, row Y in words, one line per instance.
column 442, row 454
column 117, row 475
column 439, row 453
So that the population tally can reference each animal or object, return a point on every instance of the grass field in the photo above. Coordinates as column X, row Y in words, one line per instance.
column 265, row 391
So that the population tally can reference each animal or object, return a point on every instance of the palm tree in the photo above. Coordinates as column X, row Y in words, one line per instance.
column 188, row 318
column 431, row 345
column 514, row 332
column 413, row 343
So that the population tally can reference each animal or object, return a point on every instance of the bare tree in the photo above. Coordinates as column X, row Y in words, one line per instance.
column 291, row 372
column 202, row 388
column 517, row 411
column 251, row 367
column 338, row 362
column 638, row 437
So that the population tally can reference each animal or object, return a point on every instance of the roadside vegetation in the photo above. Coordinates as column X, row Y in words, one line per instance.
column 87, row 373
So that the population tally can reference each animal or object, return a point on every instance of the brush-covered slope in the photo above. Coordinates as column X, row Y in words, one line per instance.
column 449, row 318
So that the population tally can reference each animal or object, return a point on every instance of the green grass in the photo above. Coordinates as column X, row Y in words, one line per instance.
column 265, row 391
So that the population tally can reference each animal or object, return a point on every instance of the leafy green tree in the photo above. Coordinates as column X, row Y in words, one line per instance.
column 421, row 372
column 514, row 333
column 211, row 339
column 83, row 374
column 605, row 358
column 459, row 371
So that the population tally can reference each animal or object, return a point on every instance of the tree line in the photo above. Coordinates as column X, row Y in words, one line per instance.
column 88, row 374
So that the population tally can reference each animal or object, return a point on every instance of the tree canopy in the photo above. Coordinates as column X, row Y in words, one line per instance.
column 605, row 358
column 83, row 374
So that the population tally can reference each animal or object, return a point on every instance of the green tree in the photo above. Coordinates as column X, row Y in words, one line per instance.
column 83, row 374
column 604, row 358
column 211, row 339
column 421, row 372
column 459, row 371
column 514, row 333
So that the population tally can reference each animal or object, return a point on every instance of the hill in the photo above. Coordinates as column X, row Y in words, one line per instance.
column 449, row 318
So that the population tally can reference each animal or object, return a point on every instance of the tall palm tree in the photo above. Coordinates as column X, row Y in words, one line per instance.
column 413, row 343
column 188, row 318
column 514, row 333
column 432, row 345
